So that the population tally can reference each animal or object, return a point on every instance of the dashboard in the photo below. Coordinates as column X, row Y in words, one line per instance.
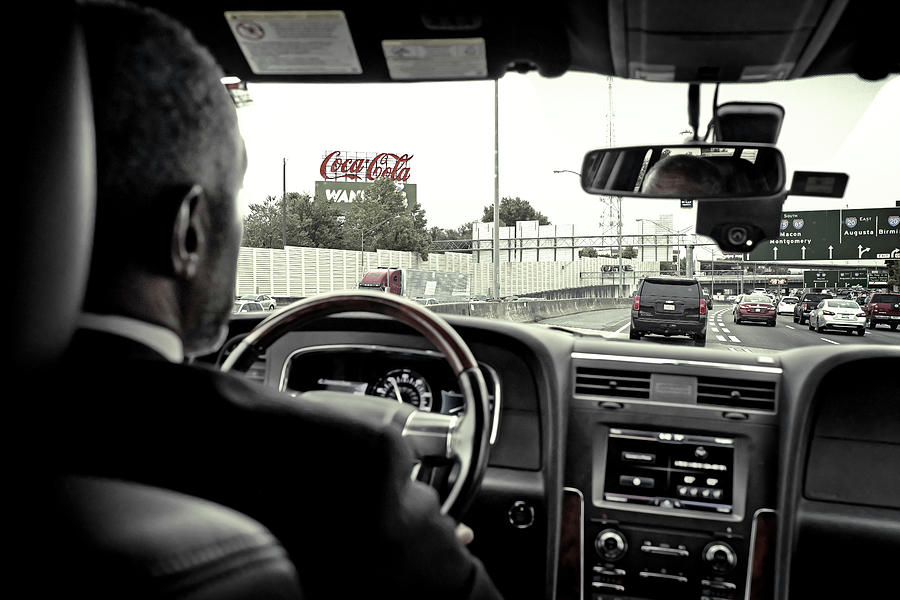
column 643, row 471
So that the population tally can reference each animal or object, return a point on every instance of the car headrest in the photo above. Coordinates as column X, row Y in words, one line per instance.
column 53, row 195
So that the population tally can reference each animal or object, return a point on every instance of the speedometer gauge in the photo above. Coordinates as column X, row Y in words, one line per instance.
column 404, row 385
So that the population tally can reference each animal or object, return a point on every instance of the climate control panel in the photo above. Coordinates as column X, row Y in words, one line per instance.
column 632, row 562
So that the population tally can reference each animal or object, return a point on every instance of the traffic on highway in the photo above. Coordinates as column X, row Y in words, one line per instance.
column 723, row 333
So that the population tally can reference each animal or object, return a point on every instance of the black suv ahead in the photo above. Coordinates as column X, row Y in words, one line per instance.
column 807, row 303
column 669, row 307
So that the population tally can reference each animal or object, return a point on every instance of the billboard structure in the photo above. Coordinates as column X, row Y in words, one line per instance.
column 846, row 234
column 346, row 175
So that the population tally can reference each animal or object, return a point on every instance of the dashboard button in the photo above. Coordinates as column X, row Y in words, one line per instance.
column 639, row 457
column 635, row 481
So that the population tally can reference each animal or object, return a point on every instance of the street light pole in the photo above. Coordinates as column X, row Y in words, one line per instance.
column 621, row 268
column 496, row 189
column 284, row 202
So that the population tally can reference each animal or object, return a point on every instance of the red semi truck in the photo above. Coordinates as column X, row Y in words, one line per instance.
column 424, row 286
column 383, row 279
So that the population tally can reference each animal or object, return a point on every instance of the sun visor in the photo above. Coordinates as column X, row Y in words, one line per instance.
column 764, row 40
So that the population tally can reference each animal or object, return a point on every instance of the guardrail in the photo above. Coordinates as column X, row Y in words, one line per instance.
column 527, row 311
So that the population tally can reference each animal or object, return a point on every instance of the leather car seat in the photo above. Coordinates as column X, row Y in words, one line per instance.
column 74, row 536
column 125, row 540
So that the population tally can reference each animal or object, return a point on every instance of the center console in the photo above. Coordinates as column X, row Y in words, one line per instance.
column 665, row 506
column 666, row 501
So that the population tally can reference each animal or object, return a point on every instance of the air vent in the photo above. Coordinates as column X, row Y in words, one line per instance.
column 608, row 382
column 736, row 393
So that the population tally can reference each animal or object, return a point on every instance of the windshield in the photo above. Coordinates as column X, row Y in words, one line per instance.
column 842, row 304
column 673, row 290
column 886, row 298
column 402, row 176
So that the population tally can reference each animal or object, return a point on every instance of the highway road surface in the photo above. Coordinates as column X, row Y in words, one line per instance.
column 723, row 333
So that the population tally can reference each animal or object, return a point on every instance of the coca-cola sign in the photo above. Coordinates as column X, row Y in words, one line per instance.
column 386, row 164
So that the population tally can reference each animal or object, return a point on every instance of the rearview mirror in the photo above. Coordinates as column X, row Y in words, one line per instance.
column 692, row 171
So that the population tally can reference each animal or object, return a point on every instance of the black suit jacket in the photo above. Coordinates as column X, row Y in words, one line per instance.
column 334, row 489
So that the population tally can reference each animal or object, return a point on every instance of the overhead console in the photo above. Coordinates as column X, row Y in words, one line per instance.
column 671, row 464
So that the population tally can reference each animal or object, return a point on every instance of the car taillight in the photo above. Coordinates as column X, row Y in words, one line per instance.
column 702, row 306
column 860, row 314
column 637, row 303
column 827, row 312
column 744, row 306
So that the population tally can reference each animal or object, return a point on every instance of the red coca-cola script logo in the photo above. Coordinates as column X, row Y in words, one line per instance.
column 388, row 165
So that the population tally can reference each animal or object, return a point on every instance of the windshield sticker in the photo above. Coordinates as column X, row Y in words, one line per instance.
column 462, row 58
column 295, row 42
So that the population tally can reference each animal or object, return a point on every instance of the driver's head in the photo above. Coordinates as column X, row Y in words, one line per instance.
column 170, row 162
column 683, row 174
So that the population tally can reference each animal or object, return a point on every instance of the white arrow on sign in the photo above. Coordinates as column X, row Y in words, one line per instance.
column 803, row 252
column 861, row 251
column 830, row 248
column 775, row 251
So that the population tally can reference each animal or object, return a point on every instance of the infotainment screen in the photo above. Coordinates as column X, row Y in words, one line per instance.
column 669, row 470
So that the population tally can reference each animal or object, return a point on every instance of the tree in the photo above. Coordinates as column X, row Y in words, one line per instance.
column 629, row 252
column 311, row 222
column 587, row 253
column 463, row 232
column 512, row 210
column 893, row 267
column 382, row 217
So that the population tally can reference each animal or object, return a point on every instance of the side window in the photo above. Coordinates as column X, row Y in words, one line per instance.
column 821, row 304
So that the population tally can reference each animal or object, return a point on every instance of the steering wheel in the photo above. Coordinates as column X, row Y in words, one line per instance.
column 463, row 439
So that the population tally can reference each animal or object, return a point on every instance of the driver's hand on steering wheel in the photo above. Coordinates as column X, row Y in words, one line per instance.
column 464, row 533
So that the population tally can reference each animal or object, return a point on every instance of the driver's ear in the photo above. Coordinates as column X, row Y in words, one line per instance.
column 189, row 235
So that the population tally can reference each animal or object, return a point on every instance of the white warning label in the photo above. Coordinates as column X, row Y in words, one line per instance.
column 462, row 58
column 295, row 42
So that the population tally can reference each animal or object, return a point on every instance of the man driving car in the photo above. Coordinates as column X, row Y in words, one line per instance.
column 334, row 489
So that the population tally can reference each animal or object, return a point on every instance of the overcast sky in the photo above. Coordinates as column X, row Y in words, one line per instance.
column 834, row 123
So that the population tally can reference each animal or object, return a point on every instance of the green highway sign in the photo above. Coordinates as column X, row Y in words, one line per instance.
column 878, row 277
column 846, row 234
column 856, row 277
column 831, row 278
column 820, row 279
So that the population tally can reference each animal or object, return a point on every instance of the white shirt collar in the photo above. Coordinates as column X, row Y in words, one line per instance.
column 164, row 341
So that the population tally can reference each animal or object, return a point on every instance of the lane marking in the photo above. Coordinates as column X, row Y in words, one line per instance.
column 715, row 329
column 789, row 327
column 732, row 348
column 734, row 339
column 748, row 350
column 721, row 338
column 830, row 341
column 726, row 330
column 619, row 330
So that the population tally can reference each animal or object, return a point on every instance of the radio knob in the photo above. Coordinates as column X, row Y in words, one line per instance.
column 610, row 544
column 720, row 556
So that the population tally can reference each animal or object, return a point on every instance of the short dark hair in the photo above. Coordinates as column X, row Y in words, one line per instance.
column 697, row 171
column 163, row 120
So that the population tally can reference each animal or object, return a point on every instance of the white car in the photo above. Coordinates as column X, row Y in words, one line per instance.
column 246, row 306
column 840, row 314
column 786, row 306
column 267, row 302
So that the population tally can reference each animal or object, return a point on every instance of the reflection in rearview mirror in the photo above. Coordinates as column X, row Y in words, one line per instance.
column 693, row 171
